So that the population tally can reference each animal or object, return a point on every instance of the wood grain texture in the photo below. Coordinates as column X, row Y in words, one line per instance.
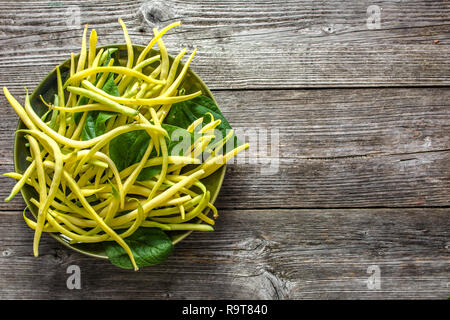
column 254, row 254
column 249, row 44
column 337, row 148
column 364, row 151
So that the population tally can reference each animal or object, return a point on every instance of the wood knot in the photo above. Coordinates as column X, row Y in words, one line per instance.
column 155, row 13
column 7, row 252
column 60, row 255
column 329, row 29
column 257, row 248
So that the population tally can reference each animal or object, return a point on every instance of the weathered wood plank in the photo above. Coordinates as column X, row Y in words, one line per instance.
column 254, row 254
column 251, row 44
column 381, row 181
column 337, row 148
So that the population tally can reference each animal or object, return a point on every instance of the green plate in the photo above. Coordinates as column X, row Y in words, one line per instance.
column 48, row 88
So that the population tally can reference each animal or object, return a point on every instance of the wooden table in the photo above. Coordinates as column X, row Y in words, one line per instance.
column 363, row 113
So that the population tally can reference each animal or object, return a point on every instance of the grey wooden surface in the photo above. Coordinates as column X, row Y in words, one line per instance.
column 364, row 155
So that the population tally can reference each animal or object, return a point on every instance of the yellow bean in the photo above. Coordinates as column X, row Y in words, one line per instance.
column 22, row 180
column 103, row 77
column 36, row 153
column 127, row 79
column 165, row 156
column 130, row 50
column 114, row 69
column 53, row 148
column 92, row 47
column 212, row 164
column 19, row 110
column 154, row 40
column 189, row 226
column 88, row 143
column 107, row 229
column 107, row 137
column 177, row 201
column 82, row 58
column 32, row 224
column 62, row 115
column 157, row 161
column 174, row 86
column 141, row 102
column 164, row 56
column 189, row 215
column 173, row 70
column 148, row 205
column 137, row 223
column 103, row 99
column 110, row 211
column 111, row 165
column 132, row 177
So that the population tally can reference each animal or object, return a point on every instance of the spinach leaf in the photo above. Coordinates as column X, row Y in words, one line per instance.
column 110, row 86
column 149, row 246
column 148, row 173
column 182, row 114
column 129, row 148
column 95, row 124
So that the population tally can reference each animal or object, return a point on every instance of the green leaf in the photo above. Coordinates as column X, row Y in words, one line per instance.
column 110, row 86
column 150, row 246
column 129, row 148
column 182, row 114
column 148, row 173
column 95, row 124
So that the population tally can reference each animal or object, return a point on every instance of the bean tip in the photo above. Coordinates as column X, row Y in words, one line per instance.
column 66, row 84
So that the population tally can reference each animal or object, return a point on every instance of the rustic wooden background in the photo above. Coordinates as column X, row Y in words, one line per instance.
column 364, row 153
